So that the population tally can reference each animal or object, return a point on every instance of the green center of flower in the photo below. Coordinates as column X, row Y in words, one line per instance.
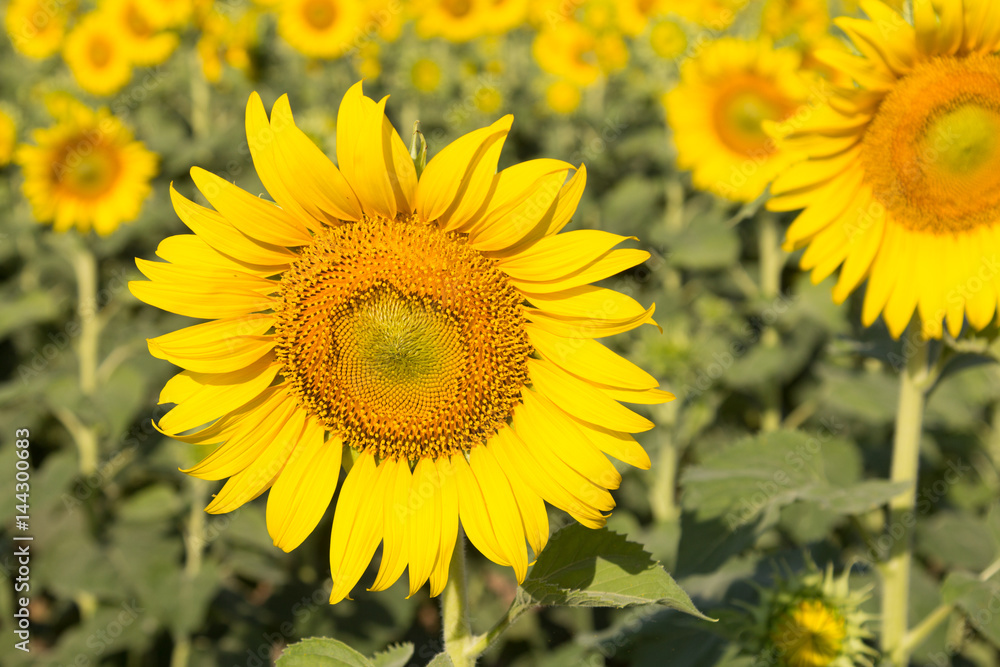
column 964, row 140
column 401, row 350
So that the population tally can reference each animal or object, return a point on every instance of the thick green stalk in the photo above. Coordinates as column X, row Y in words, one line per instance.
column 455, row 610
column 905, row 462
column 772, row 262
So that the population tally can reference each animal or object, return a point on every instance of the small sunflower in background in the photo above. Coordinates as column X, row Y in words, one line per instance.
column 320, row 28
column 36, row 27
column 717, row 111
column 167, row 14
column 809, row 619
column 8, row 137
column 97, row 55
column 806, row 19
column 569, row 51
column 86, row 170
column 144, row 44
column 563, row 97
column 453, row 20
column 902, row 182
column 378, row 319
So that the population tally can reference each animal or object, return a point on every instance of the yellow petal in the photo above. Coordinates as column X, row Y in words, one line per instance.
column 587, row 301
column 257, row 477
column 501, row 507
column 219, row 346
column 581, row 399
column 621, row 446
column 303, row 491
column 456, row 183
column 472, row 510
column 556, row 257
column 191, row 250
column 590, row 360
column 219, row 233
column 316, row 183
column 360, row 152
column 357, row 524
column 208, row 279
column 525, row 222
column 448, row 520
column 255, row 217
column 219, row 394
column 423, row 510
column 530, row 505
column 605, row 266
column 203, row 303
column 395, row 521
column 585, row 327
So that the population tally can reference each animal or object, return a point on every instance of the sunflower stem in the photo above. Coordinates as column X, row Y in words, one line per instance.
column 85, row 268
column 772, row 262
column 455, row 610
column 905, row 464
column 479, row 643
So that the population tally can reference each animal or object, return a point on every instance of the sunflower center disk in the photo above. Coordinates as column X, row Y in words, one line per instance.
column 809, row 635
column 85, row 170
column 401, row 338
column 740, row 110
column 932, row 153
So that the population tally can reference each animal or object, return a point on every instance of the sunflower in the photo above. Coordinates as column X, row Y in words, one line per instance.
column 807, row 19
column 568, row 50
column 97, row 55
column 86, row 170
column 809, row 619
column 320, row 28
column 8, row 137
column 144, row 45
column 169, row 13
column 36, row 27
column 372, row 318
column 903, row 169
column 716, row 113
column 563, row 97
column 454, row 20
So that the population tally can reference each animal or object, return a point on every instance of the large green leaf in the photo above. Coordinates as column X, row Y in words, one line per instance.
column 394, row 656
column 581, row 567
column 321, row 652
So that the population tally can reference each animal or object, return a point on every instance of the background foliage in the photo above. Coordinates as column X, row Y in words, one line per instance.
column 128, row 570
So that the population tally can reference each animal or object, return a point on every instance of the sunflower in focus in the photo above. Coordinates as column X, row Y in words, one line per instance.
column 717, row 112
column 902, row 182
column 144, row 45
column 97, row 55
column 36, row 28
column 434, row 334
column 320, row 28
column 86, row 170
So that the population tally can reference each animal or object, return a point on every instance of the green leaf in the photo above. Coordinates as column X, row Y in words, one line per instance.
column 441, row 660
column 957, row 541
column 856, row 498
column 321, row 652
column 706, row 243
column 582, row 567
column 756, row 473
column 977, row 600
column 22, row 311
column 394, row 656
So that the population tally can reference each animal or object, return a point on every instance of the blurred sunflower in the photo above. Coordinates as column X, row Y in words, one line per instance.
column 36, row 27
column 634, row 15
column 387, row 314
column 320, row 28
column 717, row 112
column 567, row 50
column 226, row 40
column 169, row 13
column 503, row 16
column 144, row 45
column 454, row 20
column 86, row 169
column 902, row 184
column 563, row 97
column 97, row 55
column 425, row 75
column 714, row 14
column 807, row 19
column 668, row 39
column 8, row 137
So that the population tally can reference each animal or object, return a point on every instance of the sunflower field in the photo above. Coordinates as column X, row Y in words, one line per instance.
column 496, row 332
